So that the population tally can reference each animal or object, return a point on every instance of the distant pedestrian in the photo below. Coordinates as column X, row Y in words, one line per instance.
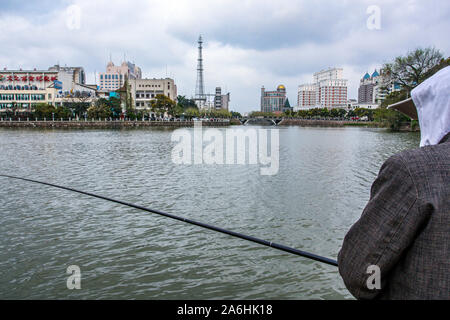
column 403, row 235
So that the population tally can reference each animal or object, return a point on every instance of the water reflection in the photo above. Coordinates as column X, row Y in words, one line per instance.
column 321, row 188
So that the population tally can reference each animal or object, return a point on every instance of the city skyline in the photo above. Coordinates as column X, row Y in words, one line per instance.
column 280, row 42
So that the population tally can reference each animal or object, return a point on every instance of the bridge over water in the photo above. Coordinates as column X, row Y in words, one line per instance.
column 260, row 121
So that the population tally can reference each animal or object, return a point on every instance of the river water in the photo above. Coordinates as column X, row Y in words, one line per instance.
column 323, row 183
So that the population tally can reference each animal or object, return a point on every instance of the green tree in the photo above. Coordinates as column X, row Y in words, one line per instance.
column 303, row 114
column 192, row 113
column 44, row 110
column 185, row 103
column 78, row 108
column 351, row 114
column 100, row 110
column 391, row 118
column 63, row 113
column 342, row 113
column 131, row 112
column 163, row 104
column 320, row 112
column 334, row 113
column 221, row 114
column 178, row 110
column 236, row 114
column 115, row 107
column 442, row 64
column 394, row 97
column 410, row 70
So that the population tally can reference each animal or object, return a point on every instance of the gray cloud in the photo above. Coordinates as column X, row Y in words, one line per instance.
column 270, row 25
column 247, row 43
column 30, row 7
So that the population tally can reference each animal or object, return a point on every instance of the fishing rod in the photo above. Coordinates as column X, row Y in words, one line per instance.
column 196, row 223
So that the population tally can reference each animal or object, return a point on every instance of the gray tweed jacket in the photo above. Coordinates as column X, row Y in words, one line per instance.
column 404, row 230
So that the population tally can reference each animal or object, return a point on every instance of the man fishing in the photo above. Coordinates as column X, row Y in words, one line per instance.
column 404, row 231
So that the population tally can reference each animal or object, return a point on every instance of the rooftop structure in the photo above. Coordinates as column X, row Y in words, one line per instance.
column 115, row 76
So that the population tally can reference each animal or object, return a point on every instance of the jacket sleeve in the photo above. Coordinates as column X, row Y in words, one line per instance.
column 388, row 225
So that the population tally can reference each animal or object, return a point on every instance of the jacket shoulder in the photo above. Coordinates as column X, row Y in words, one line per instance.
column 425, row 158
column 427, row 166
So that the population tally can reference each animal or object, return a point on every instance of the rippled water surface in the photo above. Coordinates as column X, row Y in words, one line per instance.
column 321, row 188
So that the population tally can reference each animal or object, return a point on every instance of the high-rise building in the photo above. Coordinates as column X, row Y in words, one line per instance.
column 374, row 88
column 328, row 74
column 329, row 90
column 306, row 95
column 221, row 101
column 273, row 101
column 114, row 77
column 218, row 98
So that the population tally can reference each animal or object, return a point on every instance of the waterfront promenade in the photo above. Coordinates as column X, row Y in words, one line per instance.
column 114, row 124
column 105, row 124
column 327, row 123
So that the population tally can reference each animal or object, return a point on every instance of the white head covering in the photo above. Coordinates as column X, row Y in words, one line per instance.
column 432, row 100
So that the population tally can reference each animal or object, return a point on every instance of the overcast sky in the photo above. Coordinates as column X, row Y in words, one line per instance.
column 248, row 43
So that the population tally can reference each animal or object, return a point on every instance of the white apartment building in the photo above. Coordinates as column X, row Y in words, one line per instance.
column 329, row 90
column 328, row 74
column 114, row 77
column 145, row 90
column 306, row 95
column 332, row 93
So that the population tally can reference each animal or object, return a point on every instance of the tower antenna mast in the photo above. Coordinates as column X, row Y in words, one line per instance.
column 200, row 86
